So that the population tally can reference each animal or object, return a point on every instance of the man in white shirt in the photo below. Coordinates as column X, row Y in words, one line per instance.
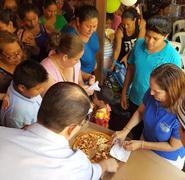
column 41, row 151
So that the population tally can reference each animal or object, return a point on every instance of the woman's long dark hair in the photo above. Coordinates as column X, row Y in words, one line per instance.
column 131, row 13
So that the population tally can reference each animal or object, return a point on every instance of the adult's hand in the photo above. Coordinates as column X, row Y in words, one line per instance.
column 124, row 60
column 109, row 165
column 89, row 92
column 132, row 145
column 28, row 39
column 124, row 101
column 113, row 66
column 92, row 79
column 119, row 136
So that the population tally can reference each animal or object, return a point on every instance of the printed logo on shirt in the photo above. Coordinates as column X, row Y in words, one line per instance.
column 129, row 44
column 164, row 127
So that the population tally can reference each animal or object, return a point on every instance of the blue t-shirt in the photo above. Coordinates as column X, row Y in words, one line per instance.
column 160, row 125
column 88, row 60
column 145, row 63
column 42, row 42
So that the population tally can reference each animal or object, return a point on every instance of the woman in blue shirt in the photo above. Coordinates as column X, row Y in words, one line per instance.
column 85, row 25
column 158, row 112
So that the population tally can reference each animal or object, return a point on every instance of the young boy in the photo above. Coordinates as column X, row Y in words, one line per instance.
column 24, row 95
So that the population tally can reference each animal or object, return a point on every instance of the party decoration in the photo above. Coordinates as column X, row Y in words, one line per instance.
column 128, row 2
column 113, row 5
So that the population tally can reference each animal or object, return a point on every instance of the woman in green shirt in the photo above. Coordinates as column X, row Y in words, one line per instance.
column 51, row 19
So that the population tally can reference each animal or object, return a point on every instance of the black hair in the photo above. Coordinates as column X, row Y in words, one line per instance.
column 86, row 12
column 48, row 3
column 5, row 16
column 159, row 24
column 65, row 103
column 29, row 73
column 165, row 4
column 54, row 39
column 3, row 2
column 109, row 16
column 130, row 13
column 27, row 7
column 106, row 94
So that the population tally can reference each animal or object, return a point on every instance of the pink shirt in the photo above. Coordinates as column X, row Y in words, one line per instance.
column 55, row 73
column 116, row 22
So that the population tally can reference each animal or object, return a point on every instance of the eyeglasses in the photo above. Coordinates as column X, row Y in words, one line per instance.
column 13, row 55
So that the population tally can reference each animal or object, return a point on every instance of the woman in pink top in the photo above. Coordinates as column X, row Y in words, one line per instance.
column 63, row 63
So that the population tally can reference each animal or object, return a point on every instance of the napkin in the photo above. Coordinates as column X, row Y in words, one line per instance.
column 95, row 86
column 119, row 153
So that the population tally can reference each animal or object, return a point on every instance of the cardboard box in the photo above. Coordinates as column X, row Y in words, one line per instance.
column 146, row 165
column 141, row 165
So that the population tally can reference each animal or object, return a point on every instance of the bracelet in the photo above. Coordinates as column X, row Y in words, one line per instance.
column 114, row 61
column 142, row 144
column 127, row 128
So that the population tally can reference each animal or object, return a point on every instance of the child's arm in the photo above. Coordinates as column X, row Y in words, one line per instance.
column 4, row 97
column 1, row 96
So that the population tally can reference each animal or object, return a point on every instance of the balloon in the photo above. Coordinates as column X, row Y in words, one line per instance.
column 128, row 2
column 112, row 5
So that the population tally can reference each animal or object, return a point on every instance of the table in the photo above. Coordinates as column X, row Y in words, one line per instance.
column 146, row 165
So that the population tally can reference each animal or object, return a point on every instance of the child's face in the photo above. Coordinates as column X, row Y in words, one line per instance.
column 97, row 102
column 33, row 92
column 108, row 23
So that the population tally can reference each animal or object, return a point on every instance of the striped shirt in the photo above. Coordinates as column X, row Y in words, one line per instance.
column 108, row 49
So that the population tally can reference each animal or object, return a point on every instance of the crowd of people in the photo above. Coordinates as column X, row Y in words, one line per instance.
column 47, row 63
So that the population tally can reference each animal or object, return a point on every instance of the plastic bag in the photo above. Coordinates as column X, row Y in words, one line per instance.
column 116, row 78
column 119, row 73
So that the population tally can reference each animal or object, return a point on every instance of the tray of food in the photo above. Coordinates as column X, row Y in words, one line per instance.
column 96, row 145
